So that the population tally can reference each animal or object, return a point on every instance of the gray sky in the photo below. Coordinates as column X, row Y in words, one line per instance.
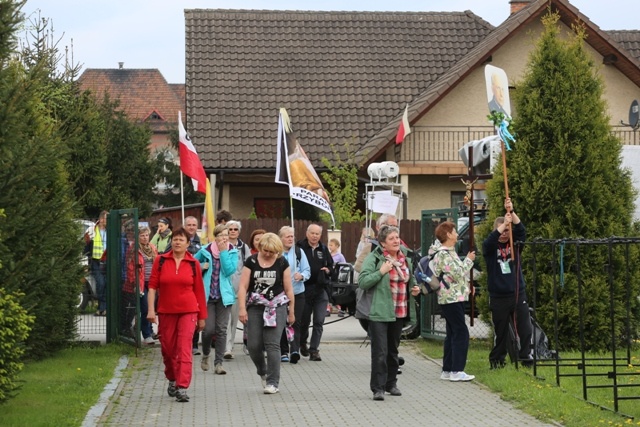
column 150, row 34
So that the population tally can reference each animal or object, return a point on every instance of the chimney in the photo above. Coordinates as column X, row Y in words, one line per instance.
column 120, row 65
column 518, row 5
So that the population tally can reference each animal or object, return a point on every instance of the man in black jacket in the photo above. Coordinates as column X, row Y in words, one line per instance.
column 507, row 293
column 315, row 293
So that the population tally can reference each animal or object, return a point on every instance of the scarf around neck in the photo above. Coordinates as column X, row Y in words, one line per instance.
column 399, row 265
column 147, row 251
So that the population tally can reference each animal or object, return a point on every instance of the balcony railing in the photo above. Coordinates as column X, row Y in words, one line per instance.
column 442, row 143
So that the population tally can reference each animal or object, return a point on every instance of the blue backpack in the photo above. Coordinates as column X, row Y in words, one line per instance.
column 427, row 279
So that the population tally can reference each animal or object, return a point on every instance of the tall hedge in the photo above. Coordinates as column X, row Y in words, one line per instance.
column 40, row 242
column 566, row 182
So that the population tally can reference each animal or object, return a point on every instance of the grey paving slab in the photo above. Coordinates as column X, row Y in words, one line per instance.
column 334, row 391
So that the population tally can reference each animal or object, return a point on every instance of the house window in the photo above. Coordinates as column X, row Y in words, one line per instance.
column 271, row 208
column 457, row 197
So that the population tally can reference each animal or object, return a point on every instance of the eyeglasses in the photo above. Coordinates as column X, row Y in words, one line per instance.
column 233, row 229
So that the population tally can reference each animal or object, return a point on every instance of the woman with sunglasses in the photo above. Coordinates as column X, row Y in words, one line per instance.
column 234, row 228
column 218, row 261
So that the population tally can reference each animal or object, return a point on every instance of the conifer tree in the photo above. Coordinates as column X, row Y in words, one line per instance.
column 566, row 181
column 40, row 242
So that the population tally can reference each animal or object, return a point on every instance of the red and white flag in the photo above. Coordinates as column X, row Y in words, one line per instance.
column 404, row 128
column 190, row 163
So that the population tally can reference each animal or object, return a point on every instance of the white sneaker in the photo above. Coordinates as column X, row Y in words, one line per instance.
column 271, row 389
column 228, row 355
column 148, row 341
column 445, row 375
column 460, row 376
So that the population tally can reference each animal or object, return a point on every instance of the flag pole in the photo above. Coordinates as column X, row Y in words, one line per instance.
column 182, row 195
column 506, row 190
column 291, row 204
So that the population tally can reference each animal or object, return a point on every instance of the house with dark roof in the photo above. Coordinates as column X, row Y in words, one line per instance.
column 347, row 77
column 144, row 95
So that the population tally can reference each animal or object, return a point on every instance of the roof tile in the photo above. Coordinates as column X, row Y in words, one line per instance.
column 140, row 91
column 339, row 74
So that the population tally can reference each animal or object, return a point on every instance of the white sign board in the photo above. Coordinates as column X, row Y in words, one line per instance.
column 382, row 202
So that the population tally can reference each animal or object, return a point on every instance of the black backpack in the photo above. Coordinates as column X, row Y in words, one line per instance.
column 298, row 251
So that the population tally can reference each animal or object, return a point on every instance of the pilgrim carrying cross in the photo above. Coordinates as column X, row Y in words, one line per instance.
column 469, row 180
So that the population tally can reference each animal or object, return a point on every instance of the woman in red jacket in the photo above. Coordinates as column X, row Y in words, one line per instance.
column 177, row 279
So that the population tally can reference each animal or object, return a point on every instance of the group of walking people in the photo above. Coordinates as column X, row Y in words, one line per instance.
column 277, row 289
column 385, row 281
column 273, row 285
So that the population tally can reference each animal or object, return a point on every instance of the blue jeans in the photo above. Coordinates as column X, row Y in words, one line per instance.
column 98, row 273
column 316, row 301
column 261, row 338
column 456, row 343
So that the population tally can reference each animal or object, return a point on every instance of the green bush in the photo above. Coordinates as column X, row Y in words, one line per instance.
column 15, row 325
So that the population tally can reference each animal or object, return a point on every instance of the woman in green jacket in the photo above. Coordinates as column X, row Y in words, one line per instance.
column 162, row 238
column 386, row 280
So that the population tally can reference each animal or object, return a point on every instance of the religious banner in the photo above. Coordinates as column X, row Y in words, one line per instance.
column 294, row 169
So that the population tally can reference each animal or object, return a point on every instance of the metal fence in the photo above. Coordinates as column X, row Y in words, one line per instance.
column 552, row 262
column 609, row 370
column 123, row 306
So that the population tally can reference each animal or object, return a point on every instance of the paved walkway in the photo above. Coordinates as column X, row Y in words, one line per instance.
column 332, row 392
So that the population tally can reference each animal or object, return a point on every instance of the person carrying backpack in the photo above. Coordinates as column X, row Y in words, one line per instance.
column 452, row 295
column 316, row 291
column 244, row 252
column 386, row 280
column 300, row 271
column 182, row 310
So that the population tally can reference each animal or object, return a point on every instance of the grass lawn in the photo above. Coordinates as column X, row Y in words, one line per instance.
column 541, row 397
column 60, row 390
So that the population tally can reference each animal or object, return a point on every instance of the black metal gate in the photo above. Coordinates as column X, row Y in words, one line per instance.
column 616, row 279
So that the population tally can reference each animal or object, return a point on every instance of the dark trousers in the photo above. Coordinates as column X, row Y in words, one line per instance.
column 502, row 311
column 385, row 339
column 456, row 343
column 294, row 346
column 316, row 301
